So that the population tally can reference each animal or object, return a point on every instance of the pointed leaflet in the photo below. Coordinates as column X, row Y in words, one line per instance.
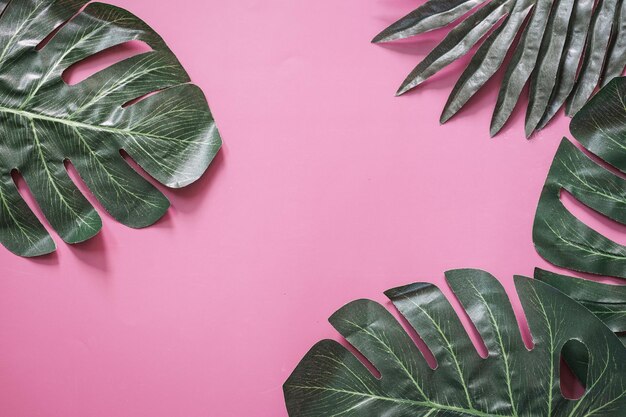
column 550, row 59
column 572, row 54
column 544, row 77
column 46, row 122
column 522, row 64
column 457, row 43
column 607, row 302
column 431, row 15
column 616, row 59
column 512, row 381
column 486, row 60
column 595, row 52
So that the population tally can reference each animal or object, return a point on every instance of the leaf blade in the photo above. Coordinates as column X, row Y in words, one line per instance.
column 559, row 236
column 144, row 105
column 457, row 43
column 330, row 380
column 568, row 68
column 607, row 302
column 616, row 59
column 522, row 64
column 544, row 78
column 431, row 15
column 595, row 52
column 486, row 61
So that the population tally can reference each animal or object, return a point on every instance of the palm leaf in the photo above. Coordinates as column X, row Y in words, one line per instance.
column 44, row 122
column 594, row 56
column 511, row 381
column 549, row 41
column 616, row 59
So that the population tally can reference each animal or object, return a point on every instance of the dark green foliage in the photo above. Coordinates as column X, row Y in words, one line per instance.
column 45, row 122
column 549, row 40
column 511, row 381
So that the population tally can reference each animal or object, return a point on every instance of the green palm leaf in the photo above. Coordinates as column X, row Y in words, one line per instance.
column 44, row 122
column 556, row 37
column 511, row 381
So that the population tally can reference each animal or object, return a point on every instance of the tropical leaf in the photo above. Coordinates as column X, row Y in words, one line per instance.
column 45, row 122
column 559, row 236
column 608, row 302
column 549, row 41
column 563, row 239
column 511, row 381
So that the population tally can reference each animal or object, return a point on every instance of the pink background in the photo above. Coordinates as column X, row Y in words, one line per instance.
column 327, row 189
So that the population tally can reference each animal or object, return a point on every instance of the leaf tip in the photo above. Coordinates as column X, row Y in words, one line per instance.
column 571, row 107
column 380, row 38
column 387, row 35
column 496, row 125
column 406, row 86
column 528, row 131
column 45, row 247
column 530, row 126
column 408, row 290
column 446, row 115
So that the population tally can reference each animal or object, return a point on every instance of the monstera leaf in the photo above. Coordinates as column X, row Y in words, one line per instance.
column 563, row 239
column 45, row 122
column 511, row 381
column 608, row 302
column 558, row 235
column 556, row 37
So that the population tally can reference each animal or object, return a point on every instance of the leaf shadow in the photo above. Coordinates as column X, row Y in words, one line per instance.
column 92, row 252
column 49, row 259
column 165, row 222
column 187, row 199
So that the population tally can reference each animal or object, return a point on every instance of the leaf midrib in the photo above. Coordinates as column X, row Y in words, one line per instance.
column 395, row 357
column 594, row 189
column 9, row 210
column 75, row 124
column 51, row 178
column 448, row 347
column 428, row 404
column 108, row 173
column 505, row 356
column 584, row 246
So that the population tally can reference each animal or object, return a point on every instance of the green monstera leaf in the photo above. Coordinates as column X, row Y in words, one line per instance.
column 45, row 122
column 564, row 240
column 549, row 39
column 511, row 381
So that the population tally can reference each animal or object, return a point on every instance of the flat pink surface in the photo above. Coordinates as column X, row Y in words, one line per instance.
column 327, row 189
